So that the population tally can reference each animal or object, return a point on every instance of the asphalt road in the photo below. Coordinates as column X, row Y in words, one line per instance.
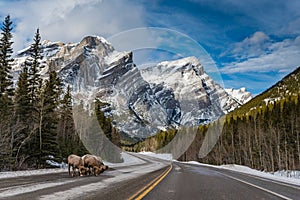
column 184, row 181
column 190, row 182
column 119, row 182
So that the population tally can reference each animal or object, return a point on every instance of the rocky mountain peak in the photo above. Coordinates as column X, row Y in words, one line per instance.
column 139, row 102
column 240, row 95
column 96, row 43
column 181, row 65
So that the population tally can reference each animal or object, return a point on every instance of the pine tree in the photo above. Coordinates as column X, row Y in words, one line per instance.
column 6, row 93
column 22, row 97
column 6, row 84
column 66, row 128
column 22, row 117
column 33, row 62
column 67, row 125
column 68, row 138
column 48, row 120
column 105, row 123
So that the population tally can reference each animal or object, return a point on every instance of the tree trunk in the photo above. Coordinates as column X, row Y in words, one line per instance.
column 278, row 149
column 40, row 127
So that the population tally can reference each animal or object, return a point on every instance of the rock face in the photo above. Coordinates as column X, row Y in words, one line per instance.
column 169, row 94
column 240, row 95
column 201, row 100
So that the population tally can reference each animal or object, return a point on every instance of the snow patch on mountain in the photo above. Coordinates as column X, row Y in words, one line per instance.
column 140, row 102
column 114, row 57
column 241, row 95
column 201, row 99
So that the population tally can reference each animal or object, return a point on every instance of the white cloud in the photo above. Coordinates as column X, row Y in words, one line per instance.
column 70, row 20
column 169, row 45
column 283, row 56
column 257, row 38
column 292, row 27
column 251, row 46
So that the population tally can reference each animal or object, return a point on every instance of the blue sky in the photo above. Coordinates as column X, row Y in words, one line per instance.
column 253, row 43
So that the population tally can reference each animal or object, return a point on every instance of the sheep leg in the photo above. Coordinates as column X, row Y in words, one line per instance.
column 74, row 171
column 90, row 171
column 95, row 171
column 69, row 166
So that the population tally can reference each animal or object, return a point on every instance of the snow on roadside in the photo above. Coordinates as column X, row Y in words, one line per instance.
column 293, row 177
column 137, row 168
column 31, row 172
column 128, row 160
column 277, row 176
column 163, row 156
column 122, row 174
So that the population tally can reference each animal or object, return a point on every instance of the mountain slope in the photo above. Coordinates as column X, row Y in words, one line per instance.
column 285, row 88
column 260, row 134
column 198, row 94
column 139, row 103
column 240, row 95
column 264, row 133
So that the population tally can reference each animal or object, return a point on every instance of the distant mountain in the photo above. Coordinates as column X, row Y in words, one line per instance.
column 139, row 103
column 240, row 95
column 287, row 87
column 201, row 99
column 262, row 134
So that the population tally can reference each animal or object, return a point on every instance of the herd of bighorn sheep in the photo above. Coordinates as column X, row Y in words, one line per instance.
column 86, row 165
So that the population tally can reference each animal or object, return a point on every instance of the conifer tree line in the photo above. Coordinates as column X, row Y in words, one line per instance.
column 266, row 138
column 36, row 115
column 105, row 123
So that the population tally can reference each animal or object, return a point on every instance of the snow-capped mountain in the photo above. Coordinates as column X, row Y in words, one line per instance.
column 240, row 95
column 201, row 100
column 140, row 102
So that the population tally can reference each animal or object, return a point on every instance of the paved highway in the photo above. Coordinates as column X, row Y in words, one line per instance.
column 187, row 181
column 119, row 182
column 151, row 179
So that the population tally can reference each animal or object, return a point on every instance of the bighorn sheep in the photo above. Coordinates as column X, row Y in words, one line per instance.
column 77, row 163
column 94, row 162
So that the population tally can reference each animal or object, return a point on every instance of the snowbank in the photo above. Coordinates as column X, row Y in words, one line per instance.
column 31, row 172
column 163, row 156
column 128, row 160
column 292, row 177
column 278, row 176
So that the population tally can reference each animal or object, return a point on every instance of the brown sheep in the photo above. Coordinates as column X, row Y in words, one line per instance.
column 105, row 167
column 77, row 163
column 98, row 170
column 94, row 162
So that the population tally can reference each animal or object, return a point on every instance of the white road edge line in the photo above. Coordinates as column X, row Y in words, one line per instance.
column 256, row 186
column 31, row 188
column 280, row 182
column 273, row 181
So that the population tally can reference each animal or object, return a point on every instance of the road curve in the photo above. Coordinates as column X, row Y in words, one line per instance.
column 183, row 181
column 118, row 182
column 186, row 181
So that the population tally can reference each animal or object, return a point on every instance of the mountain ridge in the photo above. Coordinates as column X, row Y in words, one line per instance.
column 287, row 87
column 137, row 106
column 261, row 134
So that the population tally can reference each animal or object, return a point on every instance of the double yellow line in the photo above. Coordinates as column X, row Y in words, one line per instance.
column 145, row 190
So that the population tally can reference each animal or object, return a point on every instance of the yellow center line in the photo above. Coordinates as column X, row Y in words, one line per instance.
column 145, row 190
